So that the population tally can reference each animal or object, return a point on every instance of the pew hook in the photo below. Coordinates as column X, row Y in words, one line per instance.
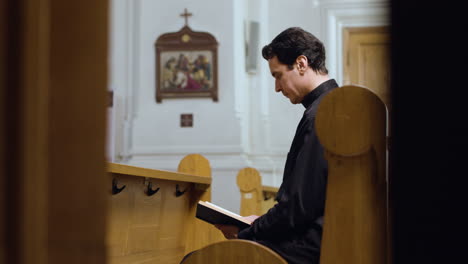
column 115, row 189
column 267, row 197
column 178, row 192
column 150, row 191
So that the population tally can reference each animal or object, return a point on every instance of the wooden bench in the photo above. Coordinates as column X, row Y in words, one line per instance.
column 351, row 125
column 152, row 212
column 235, row 251
column 256, row 199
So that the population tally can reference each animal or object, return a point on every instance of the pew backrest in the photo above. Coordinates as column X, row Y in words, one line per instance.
column 235, row 251
column 255, row 198
column 351, row 125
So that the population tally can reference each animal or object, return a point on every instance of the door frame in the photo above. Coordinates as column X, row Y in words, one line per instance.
column 337, row 16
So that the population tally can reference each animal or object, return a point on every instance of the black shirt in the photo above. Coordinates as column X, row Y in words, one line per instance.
column 293, row 227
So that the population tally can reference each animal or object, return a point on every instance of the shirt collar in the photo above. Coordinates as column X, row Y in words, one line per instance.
column 319, row 90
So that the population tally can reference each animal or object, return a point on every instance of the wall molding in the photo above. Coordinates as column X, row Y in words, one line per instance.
column 183, row 150
column 124, row 79
column 269, row 165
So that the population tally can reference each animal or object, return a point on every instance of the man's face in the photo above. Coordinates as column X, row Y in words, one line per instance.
column 286, row 80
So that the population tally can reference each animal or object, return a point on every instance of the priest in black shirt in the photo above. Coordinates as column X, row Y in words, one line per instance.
column 293, row 227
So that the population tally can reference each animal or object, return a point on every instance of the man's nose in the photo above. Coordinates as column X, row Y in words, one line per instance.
column 277, row 87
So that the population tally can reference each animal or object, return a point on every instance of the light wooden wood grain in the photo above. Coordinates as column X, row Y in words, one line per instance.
column 351, row 125
column 144, row 228
column 157, row 174
column 268, row 201
column 160, row 228
column 57, row 73
column 199, row 233
column 249, row 182
column 367, row 56
column 77, row 115
column 270, row 189
column 233, row 252
column 256, row 199
column 367, row 60
column 25, row 79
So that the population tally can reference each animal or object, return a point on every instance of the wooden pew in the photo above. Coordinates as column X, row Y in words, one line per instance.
column 199, row 233
column 256, row 199
column 152, row 212
column 235, row 251
column 351, row 125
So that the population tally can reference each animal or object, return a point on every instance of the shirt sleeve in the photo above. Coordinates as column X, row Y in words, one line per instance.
column 302, row 199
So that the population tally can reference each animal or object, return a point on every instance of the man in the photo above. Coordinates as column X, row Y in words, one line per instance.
column 293, row 227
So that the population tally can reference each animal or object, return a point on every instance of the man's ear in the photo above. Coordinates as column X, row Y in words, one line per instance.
column 302, row 63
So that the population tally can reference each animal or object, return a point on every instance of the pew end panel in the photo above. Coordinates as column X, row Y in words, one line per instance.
column 199, row 233
column 351, row 125
column 256, row 199
column 249, row 182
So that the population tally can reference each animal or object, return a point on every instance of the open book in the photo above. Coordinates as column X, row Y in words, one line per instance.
column 213, row 214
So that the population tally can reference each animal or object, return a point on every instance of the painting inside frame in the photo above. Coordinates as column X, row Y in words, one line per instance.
column 186, row 71
column 186, row 65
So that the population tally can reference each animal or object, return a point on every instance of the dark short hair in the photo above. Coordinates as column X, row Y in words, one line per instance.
column 293, row 42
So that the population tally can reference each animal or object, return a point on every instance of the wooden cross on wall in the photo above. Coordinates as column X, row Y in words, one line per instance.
column 186, row 15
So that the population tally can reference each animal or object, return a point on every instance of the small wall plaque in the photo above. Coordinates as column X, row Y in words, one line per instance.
column 186, row 120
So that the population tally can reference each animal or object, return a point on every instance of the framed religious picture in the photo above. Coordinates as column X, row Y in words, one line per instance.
column 186, row 65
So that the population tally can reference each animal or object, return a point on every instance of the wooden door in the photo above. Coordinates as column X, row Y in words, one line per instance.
column 367, row 60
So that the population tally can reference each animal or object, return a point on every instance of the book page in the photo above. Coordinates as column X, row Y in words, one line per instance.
column 227, row 212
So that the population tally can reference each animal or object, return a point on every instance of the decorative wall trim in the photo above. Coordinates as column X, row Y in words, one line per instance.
column 126, row 90
column 229, row 162
column 336, row 16
column 186, row 149
column 271, row 168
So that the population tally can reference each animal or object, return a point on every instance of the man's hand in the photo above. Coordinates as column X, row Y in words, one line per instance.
column 229, row 231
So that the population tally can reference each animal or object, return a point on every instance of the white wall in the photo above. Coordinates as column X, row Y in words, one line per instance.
column 251, row 125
